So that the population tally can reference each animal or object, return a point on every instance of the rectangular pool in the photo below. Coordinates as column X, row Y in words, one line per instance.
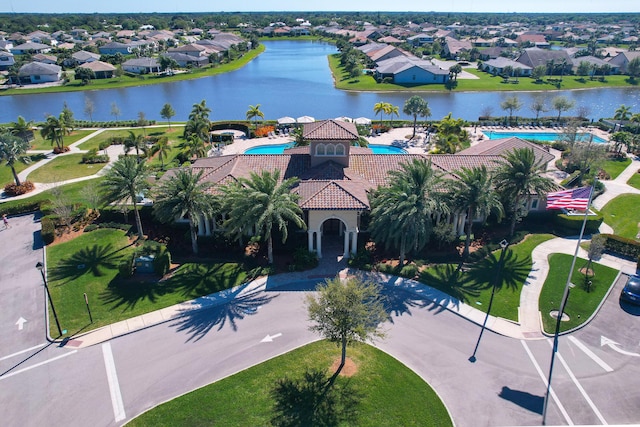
column 541, row 136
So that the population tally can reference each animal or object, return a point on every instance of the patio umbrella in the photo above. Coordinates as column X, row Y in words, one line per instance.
column 305, row 119
column 344, row 119
column 286, row 120
column 362, row 121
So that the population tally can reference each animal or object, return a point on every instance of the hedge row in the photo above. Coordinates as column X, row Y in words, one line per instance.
column 574, row 222
column 622, row 246
column 48, row 230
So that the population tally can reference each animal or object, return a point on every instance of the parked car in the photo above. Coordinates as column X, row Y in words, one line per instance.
column 631, row 290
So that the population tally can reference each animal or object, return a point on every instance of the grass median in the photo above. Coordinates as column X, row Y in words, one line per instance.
column 381, row 392
column 623, row 215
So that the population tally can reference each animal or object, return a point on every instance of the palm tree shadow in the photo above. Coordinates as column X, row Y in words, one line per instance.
column 198, row 323
column 95, row 260
column 452, row 280
column 514, row 272
column 314, row 400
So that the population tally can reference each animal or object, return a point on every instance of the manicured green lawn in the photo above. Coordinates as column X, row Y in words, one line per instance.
column 634, row 181
column 63, row 168
column 474, row 286
column 89, row 263
column 5, row 171
column 126, row 81
column 615, row 167
column 623, row 215
column 581, row 304
column 44, row 144
column 72, row 191
column 383, row 392
column 174, row 133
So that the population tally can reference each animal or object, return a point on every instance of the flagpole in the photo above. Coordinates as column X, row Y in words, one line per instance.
column 563, row 303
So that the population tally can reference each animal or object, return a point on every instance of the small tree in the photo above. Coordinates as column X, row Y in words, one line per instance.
column 538, row 105
column 416, row 106
column 595, row 251
column 85, row 75
column 561, row 104
column 346, row 312
column 167, row 113
column 89, row 108
column 511, row 104
column 538, row 73
column 115, row 110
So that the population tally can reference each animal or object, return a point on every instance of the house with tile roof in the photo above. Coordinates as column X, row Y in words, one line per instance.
column 38, row 72
column 336, row 177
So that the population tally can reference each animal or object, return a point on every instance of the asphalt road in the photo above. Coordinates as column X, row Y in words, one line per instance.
column 110, row 383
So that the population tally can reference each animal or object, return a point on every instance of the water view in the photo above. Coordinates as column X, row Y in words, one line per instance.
column 542, row 136
column 291, row 78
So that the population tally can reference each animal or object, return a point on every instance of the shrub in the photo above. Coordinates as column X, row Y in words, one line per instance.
column 162, row 262
column 622, row 246
column 126, row 267
column 57, row 150
column 303, row 260
column 263, row 131
column 104, row 145
column 362, row 260
column 48, row 230
column 12, row 189
column 19, row 208
column 574, row 222
column 90, row 227
column 92, row 157
column 409, row 271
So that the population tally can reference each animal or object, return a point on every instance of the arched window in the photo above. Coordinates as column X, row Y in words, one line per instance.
column 320, row 150
column 339, row 150
column 330, row 149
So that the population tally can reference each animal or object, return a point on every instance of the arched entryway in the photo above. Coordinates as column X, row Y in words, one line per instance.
column 333, row 232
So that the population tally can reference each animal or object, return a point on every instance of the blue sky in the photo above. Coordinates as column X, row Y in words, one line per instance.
column 171, row 6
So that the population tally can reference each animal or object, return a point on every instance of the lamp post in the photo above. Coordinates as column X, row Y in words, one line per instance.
column 503, row 245
column 40, row 267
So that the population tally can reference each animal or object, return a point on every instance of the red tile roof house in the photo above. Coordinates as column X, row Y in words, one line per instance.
column 336, row 177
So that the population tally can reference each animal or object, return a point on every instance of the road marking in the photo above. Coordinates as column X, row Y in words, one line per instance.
column 4, row 377
column 564, row 412
column 611, row 343
column 17, row 353
column 591, row 354
column 21, row 321
column 580, row 388
column 269, row 338
column 114, row 385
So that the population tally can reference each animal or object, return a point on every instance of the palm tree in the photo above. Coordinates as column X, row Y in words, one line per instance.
column 55, row 129
column 183, row 195
column 124, row 182
column 622, row 113
column 194, row 147
column 253, row 113
column 416, row 106
column 22, row 128
column 198, row 128
column 518, row 177
column 392, row 110
column 162, row 147
column 401, row 213
column 12, row 150
column 263, row 202
column 200, row 111
column 136, row 142
column 380, row 107
column 474, row 192
column 167, row 113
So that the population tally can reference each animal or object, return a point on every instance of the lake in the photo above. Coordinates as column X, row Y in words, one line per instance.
column 291, row 78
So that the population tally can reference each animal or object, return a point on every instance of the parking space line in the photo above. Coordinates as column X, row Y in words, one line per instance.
column 17, row 353
column 580, row 388
column 552, row 393
column 4, row 377
column 591, row 354
column 114, row 385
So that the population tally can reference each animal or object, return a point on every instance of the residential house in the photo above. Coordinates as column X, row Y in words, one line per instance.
column 45, row 59
column 112, row 48
column 537, row 40
column 410, row 71
column 37, row 72
column 453, row 48
column 194, row 50
column 594, row 63
column 336, row 177
column 622, row 59
column 6, row 60
column 533, row 57
column 144, row 65
column 30, row 47
column 496, row 66
column 102, row 70
column 79, row 33
column 185, row 60
column 82, row 57
column 420, row 39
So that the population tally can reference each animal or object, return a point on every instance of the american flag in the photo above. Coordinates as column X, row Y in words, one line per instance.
column 577, row 198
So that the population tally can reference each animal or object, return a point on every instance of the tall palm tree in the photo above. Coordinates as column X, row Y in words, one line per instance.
column 380, row 107
column 263, row 202
column 401, row 213
column 200, row 111
column 22, row 128
column 162, row 147
column 622, row 113
column 473, row 192
column 124, row 182
column 253, row 113
column 55, row 129
column 518, row 177
column 392, row 110
column 184, row 195
column 416, row 106
column 12, row 150
column 135, row 141
column 194, row 147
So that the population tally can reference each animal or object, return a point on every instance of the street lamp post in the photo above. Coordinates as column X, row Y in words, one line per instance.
column 503, row 245
column 40, row 267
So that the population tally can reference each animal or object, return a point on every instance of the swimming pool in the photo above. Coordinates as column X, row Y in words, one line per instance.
column 541, row 136
column 279, row 149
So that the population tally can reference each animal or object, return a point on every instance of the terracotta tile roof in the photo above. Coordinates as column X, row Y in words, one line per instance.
column 332, row 195
column 330, row 130
column 504, row 145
